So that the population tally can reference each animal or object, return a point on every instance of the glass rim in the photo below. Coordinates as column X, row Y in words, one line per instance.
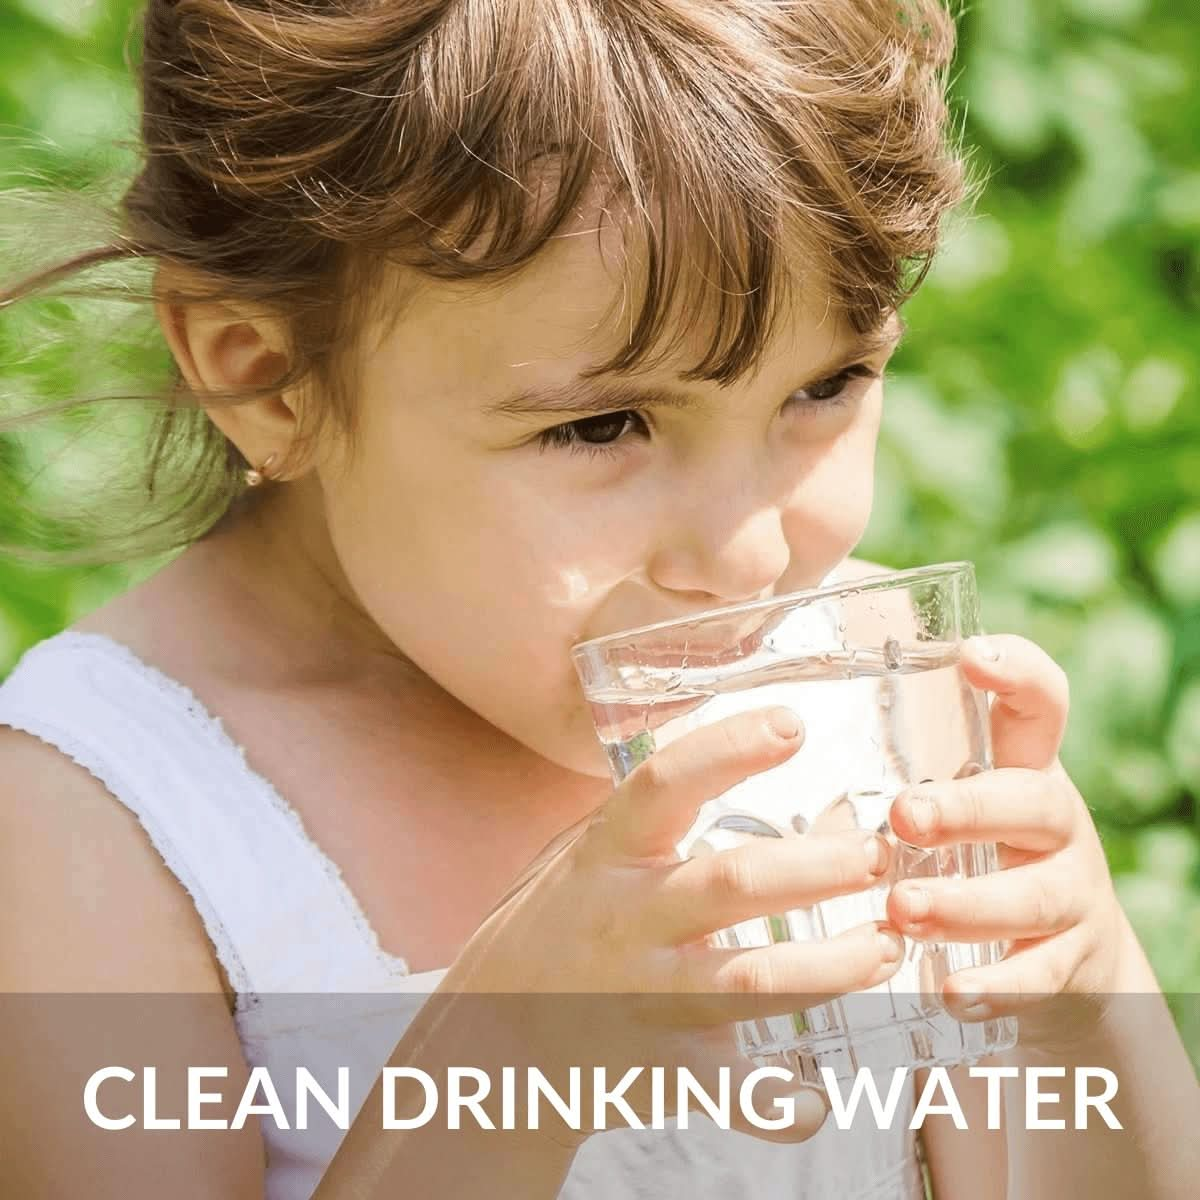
column 878, row 581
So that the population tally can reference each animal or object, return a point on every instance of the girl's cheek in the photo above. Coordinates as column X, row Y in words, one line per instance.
column 568, row 588
column 579, row 587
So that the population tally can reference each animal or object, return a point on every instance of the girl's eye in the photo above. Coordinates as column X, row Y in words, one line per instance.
column 827, row 389
column 831, row 390
column 592, row 435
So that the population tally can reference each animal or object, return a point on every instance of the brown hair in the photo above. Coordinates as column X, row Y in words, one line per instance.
column 292, row 148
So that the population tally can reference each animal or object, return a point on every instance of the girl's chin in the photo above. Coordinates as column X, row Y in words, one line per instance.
column 580, row 756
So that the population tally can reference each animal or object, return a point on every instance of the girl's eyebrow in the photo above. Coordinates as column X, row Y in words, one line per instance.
column 610, row 394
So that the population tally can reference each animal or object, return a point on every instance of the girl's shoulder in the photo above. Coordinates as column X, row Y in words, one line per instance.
column 91, row 911
column 90, row 904
column 79, row 716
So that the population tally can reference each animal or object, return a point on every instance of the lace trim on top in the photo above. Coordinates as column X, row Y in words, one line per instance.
column 212, row 728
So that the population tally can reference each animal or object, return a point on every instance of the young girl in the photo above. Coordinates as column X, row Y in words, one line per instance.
column 507, row 324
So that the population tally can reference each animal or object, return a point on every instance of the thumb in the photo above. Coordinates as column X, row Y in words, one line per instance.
column 769, row 1104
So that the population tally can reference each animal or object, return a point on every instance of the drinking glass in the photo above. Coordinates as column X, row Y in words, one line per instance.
column 872, row 667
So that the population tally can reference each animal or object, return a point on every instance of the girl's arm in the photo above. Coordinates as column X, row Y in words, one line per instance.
column 104, row 961
column 469, row 1163
column 1155, row 1156
column 966, row 1163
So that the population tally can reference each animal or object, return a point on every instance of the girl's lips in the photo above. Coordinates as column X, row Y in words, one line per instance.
column 709, row 653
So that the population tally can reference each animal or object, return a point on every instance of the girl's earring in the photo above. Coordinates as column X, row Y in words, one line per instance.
column 256, row 475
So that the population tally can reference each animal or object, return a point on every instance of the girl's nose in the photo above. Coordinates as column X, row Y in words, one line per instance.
column 737, row 559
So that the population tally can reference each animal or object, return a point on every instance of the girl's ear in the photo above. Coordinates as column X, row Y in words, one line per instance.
column 220, row 346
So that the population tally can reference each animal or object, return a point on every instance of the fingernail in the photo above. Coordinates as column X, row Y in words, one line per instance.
column 784, row 723
column 877, row 853
column 969, row 1001
column 916, row 903
column 922, row 814
column 985, row 649
column 891, row 946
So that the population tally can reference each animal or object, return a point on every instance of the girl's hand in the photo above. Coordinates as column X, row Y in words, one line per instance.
column 1053, row 899
column 613, row 916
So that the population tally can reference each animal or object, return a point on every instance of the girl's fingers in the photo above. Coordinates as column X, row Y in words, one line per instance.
column 1029, row 715
column 1027, row 976
column 652, row 809
column 715, row 986
column 1024, row 902
column 764, row 877
column 1023, row 808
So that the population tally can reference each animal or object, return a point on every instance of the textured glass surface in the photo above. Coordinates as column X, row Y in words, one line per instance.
column 873, row 671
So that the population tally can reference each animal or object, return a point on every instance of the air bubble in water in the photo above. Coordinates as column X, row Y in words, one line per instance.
column 893, row 656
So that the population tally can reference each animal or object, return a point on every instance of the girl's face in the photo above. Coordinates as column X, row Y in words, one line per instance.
column 500, row 510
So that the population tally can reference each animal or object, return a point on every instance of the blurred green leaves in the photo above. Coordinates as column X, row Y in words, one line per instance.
column 1042, row 417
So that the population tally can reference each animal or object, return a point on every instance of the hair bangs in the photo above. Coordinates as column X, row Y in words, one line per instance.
column 725, row 141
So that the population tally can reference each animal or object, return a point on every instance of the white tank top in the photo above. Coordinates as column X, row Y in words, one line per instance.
column 287, row 930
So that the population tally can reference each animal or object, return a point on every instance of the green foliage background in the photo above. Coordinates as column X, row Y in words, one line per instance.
column 1041, row 418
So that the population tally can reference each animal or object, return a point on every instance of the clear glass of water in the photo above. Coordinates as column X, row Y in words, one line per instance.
column 872, row 669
